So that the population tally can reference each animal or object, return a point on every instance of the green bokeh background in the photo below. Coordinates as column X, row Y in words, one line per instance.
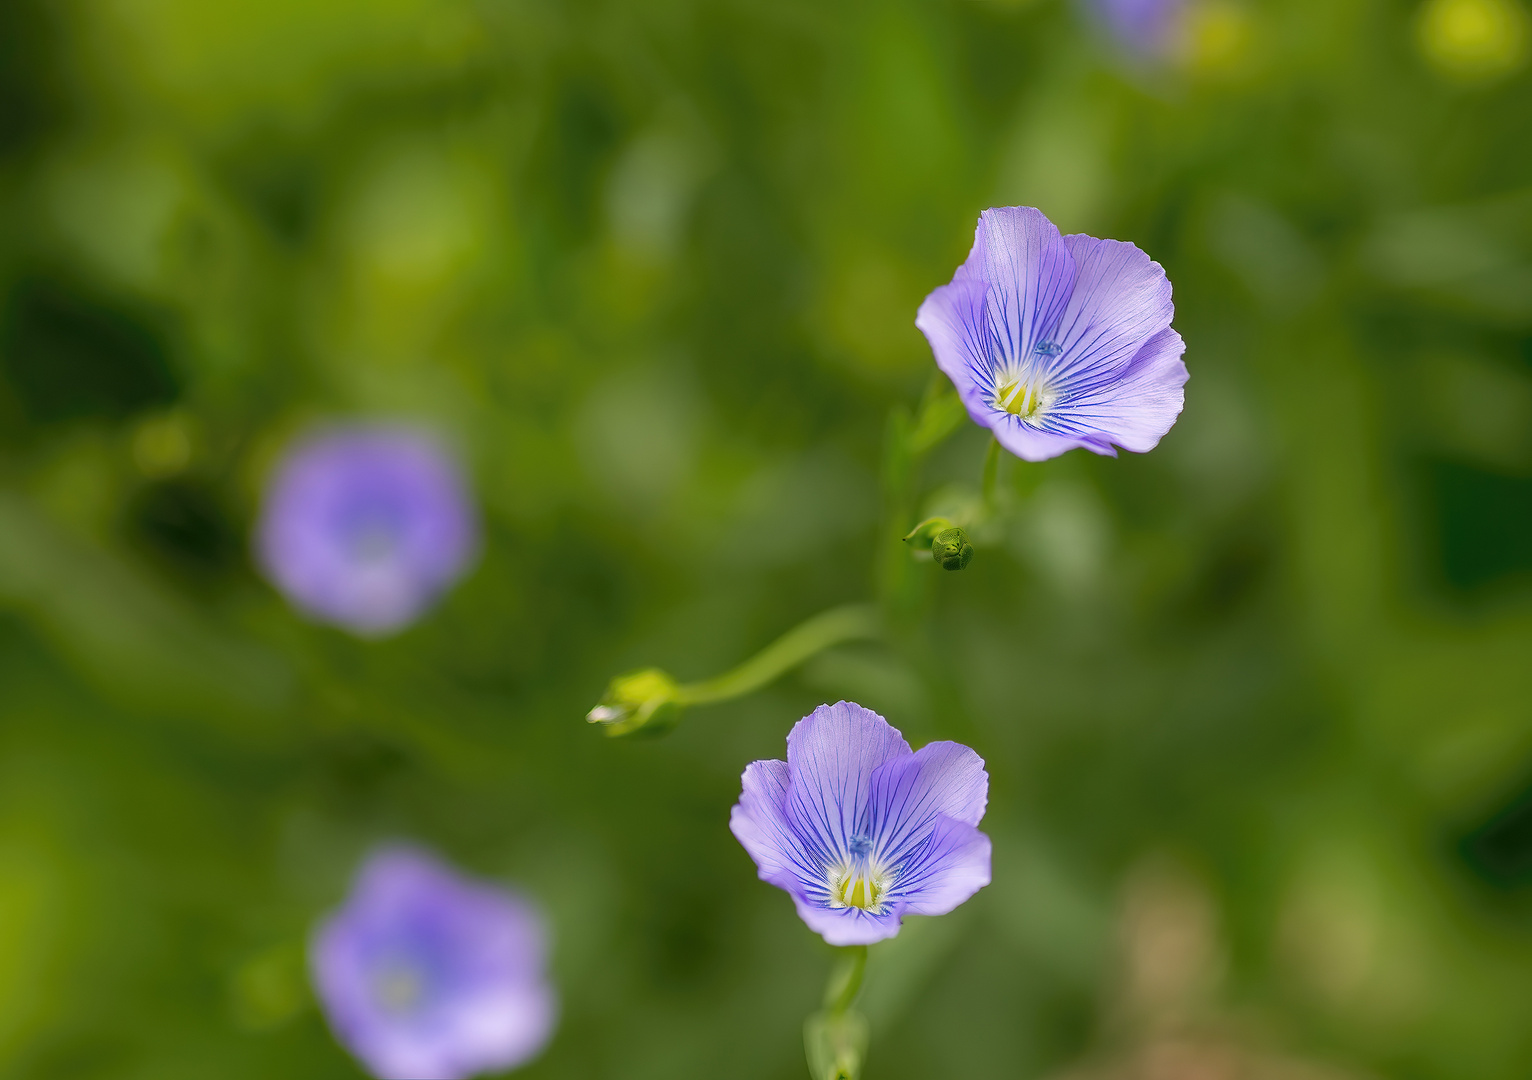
column 653, row 268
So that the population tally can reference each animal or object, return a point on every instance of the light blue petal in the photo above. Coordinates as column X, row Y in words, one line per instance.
column 1002, row 301
column 952, row 866
column 831, row 755
column 848, row 925
column 759, row 822
column 1121, row 299
column 1118, row 372
column 1028, row 442
column 909, row 794
column 1135, row 409
column 955, row 320
column 1020, row 255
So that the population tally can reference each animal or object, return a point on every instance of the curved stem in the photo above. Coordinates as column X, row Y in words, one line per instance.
column 852, row 622
column 835, row 1038
column 991, row 474
column 845, row 980
column 926, row 530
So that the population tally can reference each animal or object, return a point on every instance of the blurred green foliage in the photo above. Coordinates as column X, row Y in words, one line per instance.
column 654, row 267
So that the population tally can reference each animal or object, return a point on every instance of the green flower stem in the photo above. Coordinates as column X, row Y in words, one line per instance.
column 991, row 474
column 835, row 1038
column 845, row 981
column 898, row 586
column 922, row 535
column 652, row 700
column 941, row 413
column 908, row 439
column 852, row 622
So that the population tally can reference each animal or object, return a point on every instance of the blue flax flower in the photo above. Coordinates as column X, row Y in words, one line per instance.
column 365, row 527
column 426, row 975
column 860, row 830
column 1055, row 342
column 1143, row 27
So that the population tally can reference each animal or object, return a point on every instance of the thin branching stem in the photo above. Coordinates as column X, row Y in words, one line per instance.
column 851, row 622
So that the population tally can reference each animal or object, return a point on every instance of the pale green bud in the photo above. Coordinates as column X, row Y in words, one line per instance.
column 835, row 1044
column 951, row 549
column 649, row 698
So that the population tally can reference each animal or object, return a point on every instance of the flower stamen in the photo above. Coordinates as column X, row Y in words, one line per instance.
column 1023, row 397
column 856, row 882
column 855, row 890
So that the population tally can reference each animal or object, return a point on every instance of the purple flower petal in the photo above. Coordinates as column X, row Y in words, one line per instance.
column 945, row 779
column 425, row 974
column 848, row 925
column 1145, row 27
column 759, row 821
column 1142, row 403
column 1020, row 255
column 859, row 830
column 832, row 754
column 365, row 527
column 955, row 320
column 1048, row 357
column 1121, row 299
column 950, row 868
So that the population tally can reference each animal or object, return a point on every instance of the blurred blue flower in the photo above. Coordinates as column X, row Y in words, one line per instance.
column 860, row 830
column 1055, row 342
column 1144, row 27
column 426, row 975
column 365, row 527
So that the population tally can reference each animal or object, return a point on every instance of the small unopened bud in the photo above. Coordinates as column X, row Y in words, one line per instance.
column 640, row 699
column 836, row 1044
column 951, row 549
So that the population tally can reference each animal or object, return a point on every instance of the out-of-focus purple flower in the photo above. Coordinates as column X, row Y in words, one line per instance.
column 365, row 527
column 860, row 830
column 1143, row 27
column 1058, row 341
column 426, row 975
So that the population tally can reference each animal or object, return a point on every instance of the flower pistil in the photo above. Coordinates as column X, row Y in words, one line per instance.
column 1022, row 397
column 858, row 881
column 1025, row 392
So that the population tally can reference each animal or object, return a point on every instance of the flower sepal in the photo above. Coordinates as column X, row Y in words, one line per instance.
column 950, row 547
column 647, row 700
column 836, row 1044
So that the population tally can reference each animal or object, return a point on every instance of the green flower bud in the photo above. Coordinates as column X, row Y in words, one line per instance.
column 951, row 549
column 649, row 698
column 835, row 1044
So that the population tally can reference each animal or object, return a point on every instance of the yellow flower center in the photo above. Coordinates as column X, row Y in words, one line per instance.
column 858, row 886
column 1022, row 397
column 1023, row 387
